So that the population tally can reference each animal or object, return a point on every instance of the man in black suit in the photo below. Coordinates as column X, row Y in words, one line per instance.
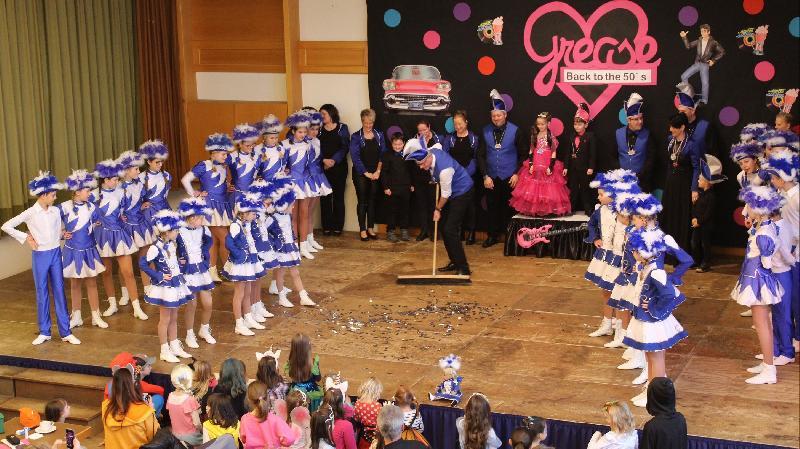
column 709, row 52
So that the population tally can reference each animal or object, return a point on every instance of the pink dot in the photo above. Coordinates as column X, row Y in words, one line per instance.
column 556, row 126
column 431, row 39
column 764, row 71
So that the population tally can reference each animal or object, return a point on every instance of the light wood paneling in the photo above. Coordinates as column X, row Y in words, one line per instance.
column 291, row 37
column 332, row 57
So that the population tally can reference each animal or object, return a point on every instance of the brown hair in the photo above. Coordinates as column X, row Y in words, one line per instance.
column 259, row 400
column 294, row 399
column 335, row 400
column 300, row 358
column 221, row 411
column 54, row 409
column 202, row 378
column 705, row 26
column 123, row 395
column 267, row 372
column 460, row 113
column 785, row 116
column 476, row 422
column 321, row 426
column 405, row 397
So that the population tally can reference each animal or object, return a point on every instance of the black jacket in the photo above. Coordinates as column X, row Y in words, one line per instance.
column 703, row 208
column 395, row 172
column 667, row 428
column 713, row 51
column 579, row 159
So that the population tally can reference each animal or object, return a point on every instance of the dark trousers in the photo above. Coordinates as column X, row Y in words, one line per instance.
column 582, row 198
column 332, row 206
column 455, row 213
column 366, row 193
column 500, row 212
column 701, row 246
column 424, row 204
column 399, row 202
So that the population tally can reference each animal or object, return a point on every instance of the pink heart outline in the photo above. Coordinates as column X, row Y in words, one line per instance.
column 645, row 48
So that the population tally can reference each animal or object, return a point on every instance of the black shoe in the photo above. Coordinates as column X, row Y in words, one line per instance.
column 422, row 236
column 490, row 241
column 471, row 238
column 337, row 233
column 372, row 236
column 326, row 232
column 702, row 269
column 446, row 268
column 463, row 271
column 364, row 238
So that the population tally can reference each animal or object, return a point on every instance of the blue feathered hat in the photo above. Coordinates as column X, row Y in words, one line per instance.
column 315, row 117
column 743, row 150
column 108, row 168
column 219, row 142
column 249, row 202
column 752, row 131
column 645, row 204
column 450, row 361
column 761, row 200
column 44, row 183
column 608, row 177
column 284, row 200
column 167, row 220
column 415, row 150
column 784, row 164
column 616, row 188
column 649, row 243
column 263, row 188
column 300, row 119
column 711, row 169
column 271, row 125
column 79, row 180
column 154, row 149
column 634, row 104
column 245, row 131
column 497, row 101
column 129, row 159
column 780, row 139
column 624, row 203
column 686, row 96
column 194, row 206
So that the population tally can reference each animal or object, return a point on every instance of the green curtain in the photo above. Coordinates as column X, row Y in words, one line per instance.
column 67, row 87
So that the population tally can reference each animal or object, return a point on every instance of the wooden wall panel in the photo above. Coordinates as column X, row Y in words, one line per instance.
column 332, row 57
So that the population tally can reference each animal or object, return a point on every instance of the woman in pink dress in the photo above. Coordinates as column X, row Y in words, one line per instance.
column 541, row 189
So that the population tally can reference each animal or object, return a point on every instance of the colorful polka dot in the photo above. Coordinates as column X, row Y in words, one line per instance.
column 688, row 15
column 391, row 18
column 729, row 116
column 508, row 101
column 462, row 11
column 556, row 126
column 392, row 130
column 753, row 7
column 794, row 27
column 764, row 71
column 623, row 117
column 431, row 39
column 486, row 65
column 449, row 126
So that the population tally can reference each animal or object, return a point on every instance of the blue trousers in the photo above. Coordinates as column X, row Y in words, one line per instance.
column 782, row 328
column 796, row 299
column 701, row 67
column 48, row 270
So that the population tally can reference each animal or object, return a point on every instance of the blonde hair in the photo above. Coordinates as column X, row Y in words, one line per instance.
column 368, row 114
column 620, row 415
column 202, row 378
column 182, row 378
column 370, row 390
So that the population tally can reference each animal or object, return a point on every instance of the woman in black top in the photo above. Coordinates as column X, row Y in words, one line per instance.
column 366, row 147
column 463, row 146
column 334, row 138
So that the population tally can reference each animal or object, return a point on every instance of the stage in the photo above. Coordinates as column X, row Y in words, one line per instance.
column 520, row 328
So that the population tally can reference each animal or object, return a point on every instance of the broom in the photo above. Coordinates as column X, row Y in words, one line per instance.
column 433, row 278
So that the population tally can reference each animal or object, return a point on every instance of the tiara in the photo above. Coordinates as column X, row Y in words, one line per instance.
column 543, row 115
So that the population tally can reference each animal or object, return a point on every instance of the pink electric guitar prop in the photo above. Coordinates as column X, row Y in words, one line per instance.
column 527, row 237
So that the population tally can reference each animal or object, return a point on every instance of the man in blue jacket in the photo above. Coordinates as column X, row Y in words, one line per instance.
column 636, row 148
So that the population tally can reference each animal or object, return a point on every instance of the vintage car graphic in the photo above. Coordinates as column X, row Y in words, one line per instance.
column 416, row 88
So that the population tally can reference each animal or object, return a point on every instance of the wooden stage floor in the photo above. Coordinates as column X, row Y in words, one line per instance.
column 521, row 329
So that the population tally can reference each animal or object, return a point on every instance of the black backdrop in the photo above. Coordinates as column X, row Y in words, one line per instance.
column 733, row 83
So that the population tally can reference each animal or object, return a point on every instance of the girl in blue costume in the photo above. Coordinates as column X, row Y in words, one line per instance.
column 758, row 288
column 266, row 253
column 81, row 260
column 157, row 183
column 114, row 242
column 299, row 151
column 135, row 223
column 316, row 178
column 243, row 267
column 194, row 246
column 653, row 328
column 168, row 290
column 213, row 176
column 244, row 160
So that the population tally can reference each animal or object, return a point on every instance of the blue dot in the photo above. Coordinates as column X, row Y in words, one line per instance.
column 794, row 27
column 391, row 18
column 449, row 126
column 623, row 117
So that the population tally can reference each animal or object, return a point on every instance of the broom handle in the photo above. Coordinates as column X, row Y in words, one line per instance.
column 435, row 231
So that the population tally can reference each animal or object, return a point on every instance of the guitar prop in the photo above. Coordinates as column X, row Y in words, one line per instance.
column 528, row 237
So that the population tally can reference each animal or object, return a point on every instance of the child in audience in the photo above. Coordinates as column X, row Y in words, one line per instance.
column 169, row 290
column 367, row 408
column 703, row 211
column 298, row 417
column 184, row 410
column 261, row 428
column 268, row 373
column 475, row 428
column 157, row 183
column 520, row 439
column 57, row 410
column 233, row 382
column 343, row 433
column 538, row 429
column 204, row 384
column 667, row 427
column 623, row 430
column 396, row 182
column 222, row 418
column 322, row 428
column 303, row 371
column 404, row 398
column 335, row 380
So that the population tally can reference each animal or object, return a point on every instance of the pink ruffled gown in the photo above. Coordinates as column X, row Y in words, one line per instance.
column 539, row 194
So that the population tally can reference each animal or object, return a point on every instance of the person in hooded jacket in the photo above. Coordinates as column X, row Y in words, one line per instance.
column 667, row 428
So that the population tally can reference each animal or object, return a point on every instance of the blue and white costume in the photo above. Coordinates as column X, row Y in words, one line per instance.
column 298, row 155
column 244, row 166
column 156, row 184
column 280, row 229
column 316, row 175
column 112, row 238
column 243, row 263
column 135, row 222
column 213, row 181
column 273, row 159
column 163, row 256
column 194, row 246
column 80, row 256
column 264, row 243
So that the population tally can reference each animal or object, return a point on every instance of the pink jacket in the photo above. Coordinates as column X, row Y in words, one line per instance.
column 272, row 433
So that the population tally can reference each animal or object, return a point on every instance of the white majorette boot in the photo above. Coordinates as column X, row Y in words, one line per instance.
column 314, row 244
column 125, row 297
column 177, row 349
column 214, row 274
column 638, row 361
column 205, row 334
column 304, row 251
column 641, row 378
column 640, row 400
column 262, row 311
column 75, row 319
column 242, row 328
column 97, row 320
column 746, row 313
column 311, row 248
column 273, row 288
column 191, row 340
column 112, row 306
column 71, row 339
column 619, row 335
column 167, row 355
column 767, row 375
column 628, row 354
column 305, row 300
column 251, row 323
column 605, row 328
column 283, row 300
column 137, row 310
column 255, row 311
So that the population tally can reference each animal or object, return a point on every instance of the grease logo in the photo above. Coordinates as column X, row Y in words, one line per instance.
column 604, row 60
column 753, row 39
column 781, row 99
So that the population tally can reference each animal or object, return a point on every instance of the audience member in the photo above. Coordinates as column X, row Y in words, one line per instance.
column 667, row 427
column 622, row 435
column 184, row 410
column 261, row 428
column 128, row 422
column 475, row 428
column 57, row 410
column 222, row 418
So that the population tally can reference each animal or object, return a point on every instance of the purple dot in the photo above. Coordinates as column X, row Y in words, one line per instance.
column 461, row 12
column 687, row 16
column 508, row 101
column 728, row 116
column 392, row 130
